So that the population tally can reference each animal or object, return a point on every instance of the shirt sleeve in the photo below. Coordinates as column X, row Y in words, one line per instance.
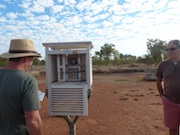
column 30, row 95
column 159, row 73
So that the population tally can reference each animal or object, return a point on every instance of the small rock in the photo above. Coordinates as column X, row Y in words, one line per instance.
column 150, row 77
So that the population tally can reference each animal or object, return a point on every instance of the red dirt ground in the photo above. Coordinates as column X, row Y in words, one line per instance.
column 121, row 104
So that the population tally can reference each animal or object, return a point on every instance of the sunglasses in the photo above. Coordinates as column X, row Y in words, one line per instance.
column 171, row 49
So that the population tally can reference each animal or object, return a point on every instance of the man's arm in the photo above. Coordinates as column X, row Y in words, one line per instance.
column 159, row 85
column 34, row 122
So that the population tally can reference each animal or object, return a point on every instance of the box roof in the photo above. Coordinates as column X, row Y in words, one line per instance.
column 68, row 45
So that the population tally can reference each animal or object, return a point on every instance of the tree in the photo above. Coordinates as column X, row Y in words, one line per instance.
column 36, row 61
column 107, row 52
column 42, row 62
column 155, row 49
column 127, row 58
column 3, row 61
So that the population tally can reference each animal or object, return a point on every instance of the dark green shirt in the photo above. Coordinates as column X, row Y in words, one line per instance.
column 18, row 94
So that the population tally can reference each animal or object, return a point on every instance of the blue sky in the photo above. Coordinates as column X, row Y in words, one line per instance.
column 125, row 23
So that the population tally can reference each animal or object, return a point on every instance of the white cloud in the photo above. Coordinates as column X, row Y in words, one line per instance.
column 56, row 9
column 94, row 8
column 43, row 17
column 117, row 9
column 2, row 6
column 60, row 1
column 46, row 3
column 72, row 21
column 174, row 4
column 161, row 4
column 2, row 20
column 25, row 4
column 84, row 5
column 88, row 19
column 67, row 2
column 107, row 24
column 11, row 15
column 37, row 7
column 126, row 25
column 116, row 19
column 103, row 16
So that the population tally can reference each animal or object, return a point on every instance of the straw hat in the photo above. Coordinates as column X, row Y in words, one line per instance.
column 21, row 48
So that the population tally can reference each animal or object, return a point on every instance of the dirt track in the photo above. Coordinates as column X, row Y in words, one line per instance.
column 121, row 104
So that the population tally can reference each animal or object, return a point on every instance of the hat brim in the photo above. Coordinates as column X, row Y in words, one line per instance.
column 18, row 55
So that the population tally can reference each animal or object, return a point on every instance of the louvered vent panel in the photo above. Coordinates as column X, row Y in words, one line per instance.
column 54, row 76
column 68, row 101
column 83, row 67
column 91, row 70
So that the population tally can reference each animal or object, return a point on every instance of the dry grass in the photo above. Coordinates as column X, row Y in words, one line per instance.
column 34, row 73
column 39, row 70
column 125, row 68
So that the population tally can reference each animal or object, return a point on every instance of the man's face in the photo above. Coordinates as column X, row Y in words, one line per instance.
column 172, row 50
column 29, row 62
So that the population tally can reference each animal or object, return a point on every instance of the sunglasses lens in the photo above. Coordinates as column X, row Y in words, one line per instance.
column 171, row 49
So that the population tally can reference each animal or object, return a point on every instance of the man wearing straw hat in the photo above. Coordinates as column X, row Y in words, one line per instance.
column 19, row 103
